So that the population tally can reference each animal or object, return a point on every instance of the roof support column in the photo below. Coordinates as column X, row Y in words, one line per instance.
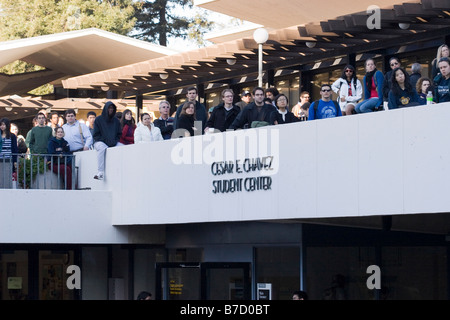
column 351, row 58
column 139, row 104
column 270, row 78
column 111, row 94
column 201, row 93
column 305, row 82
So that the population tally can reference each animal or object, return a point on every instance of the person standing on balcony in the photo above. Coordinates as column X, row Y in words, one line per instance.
column 91, row 115
column 271, row 93
column 40, row 135
column 77, row 134
column 442, row 81
column 325, row 107
column 282, row 114
column 8, row 146
column 61, row 162
column 107, row 134
column 200, row 110
column 442, row 51
column 256, row 111
column 21, row 145
column 146, row 131
column 164, row 122
column 394, row 63
column 128, row 125
column 223, row 114
column 52, row 121
column 187, row 120
column 300, row 110
column 246, row 98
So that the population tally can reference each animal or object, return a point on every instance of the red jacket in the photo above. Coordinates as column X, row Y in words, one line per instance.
column 127, row 136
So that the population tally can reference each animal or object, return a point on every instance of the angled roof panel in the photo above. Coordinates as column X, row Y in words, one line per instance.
column 78, row 52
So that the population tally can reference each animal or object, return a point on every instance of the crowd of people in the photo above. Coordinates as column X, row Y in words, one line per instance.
column 260, row 107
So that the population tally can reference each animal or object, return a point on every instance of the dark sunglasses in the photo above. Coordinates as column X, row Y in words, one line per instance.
column 394, row 64
column 326, row 90
column 348, row 70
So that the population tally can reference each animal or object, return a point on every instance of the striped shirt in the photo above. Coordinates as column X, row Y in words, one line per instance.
column 6, row 152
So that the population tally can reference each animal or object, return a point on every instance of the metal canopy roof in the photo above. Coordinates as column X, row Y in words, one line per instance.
column 282, row 14
column 71, row 54
column 286, row 48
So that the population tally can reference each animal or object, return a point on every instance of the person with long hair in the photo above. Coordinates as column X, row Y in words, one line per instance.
column 424, row 85
column 146, row 131
column 61, row 160
column 394, row 63
column 187, row 118
column 373, row 89
column 128, row 125
column 21, row 145
column 8, row 147
column 402, row 93
column 442, row 51
column 349, row 89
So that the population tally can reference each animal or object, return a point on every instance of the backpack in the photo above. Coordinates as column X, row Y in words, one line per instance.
column 316, row 105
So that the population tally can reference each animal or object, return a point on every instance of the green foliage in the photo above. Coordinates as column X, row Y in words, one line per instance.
column 158, row 20
column 29, row 167
column 197, row 27
column 24, row 19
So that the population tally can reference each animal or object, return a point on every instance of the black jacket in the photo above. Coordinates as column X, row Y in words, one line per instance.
column 186, row 122
column 61, row 148
column 107, row 127
column 289, row 117
column 200, row 115
column 220, row 119
column 250, row 113
column 166, row 127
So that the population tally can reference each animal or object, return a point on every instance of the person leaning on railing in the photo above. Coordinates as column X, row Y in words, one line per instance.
column 8, row 147
column 61, row 162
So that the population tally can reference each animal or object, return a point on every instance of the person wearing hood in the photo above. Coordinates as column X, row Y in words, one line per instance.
column 146, row 131
column 107, row 133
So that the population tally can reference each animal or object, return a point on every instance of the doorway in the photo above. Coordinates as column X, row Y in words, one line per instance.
column 203, row 281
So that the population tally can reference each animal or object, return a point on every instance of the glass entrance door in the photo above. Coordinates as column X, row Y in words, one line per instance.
column 225, row 281
column 177, row 281
column 203, row 281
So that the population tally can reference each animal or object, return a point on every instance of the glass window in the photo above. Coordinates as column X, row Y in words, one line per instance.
column 144, row 269
column 414, row 273
column 53, row 275
column 279, row 266
column 338, row 273
column 14, row 275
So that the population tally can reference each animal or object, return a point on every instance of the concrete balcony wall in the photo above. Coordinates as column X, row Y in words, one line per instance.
column 57, row 216
column 391, row 162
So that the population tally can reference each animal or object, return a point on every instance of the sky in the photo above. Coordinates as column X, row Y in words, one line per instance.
column 221, row 21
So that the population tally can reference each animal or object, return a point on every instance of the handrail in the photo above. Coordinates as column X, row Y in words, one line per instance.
column 37, row 171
